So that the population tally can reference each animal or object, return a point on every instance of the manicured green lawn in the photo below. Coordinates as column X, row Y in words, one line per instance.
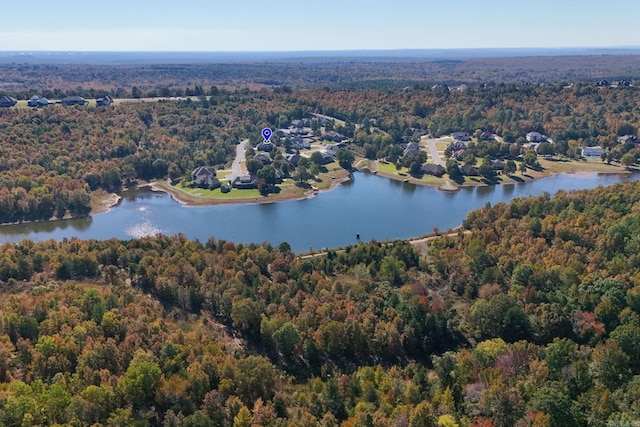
column 566, row 165
column 387, row 168
column 429, row 179
column 218, row 194
column 403, row 173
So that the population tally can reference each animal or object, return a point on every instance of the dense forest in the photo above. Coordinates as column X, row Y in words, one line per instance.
column 529, row 316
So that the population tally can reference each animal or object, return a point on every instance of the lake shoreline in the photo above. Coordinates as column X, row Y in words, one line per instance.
column 362, row 208
column 550, row 168
column 104, row 202
column 188, row 200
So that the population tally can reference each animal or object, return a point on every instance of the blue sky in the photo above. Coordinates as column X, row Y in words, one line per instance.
column 287, row 25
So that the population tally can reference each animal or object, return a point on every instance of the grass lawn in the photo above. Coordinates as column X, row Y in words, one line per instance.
column 441, row 146
column 403, row 174
column 217, row 194
column 574, row 166
column 388, row 168
column 362, row 163
column 429, row 179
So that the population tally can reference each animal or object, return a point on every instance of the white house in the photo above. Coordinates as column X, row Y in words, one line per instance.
column 536, row 137
column 592, row 151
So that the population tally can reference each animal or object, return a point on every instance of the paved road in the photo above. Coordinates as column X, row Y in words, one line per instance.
column 421, row 242
column 433, row 150
column 338, row 121
column 236, row 166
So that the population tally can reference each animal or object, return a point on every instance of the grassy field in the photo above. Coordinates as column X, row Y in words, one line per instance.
column 575, row 166
column 441, row 146
column 389, row 169
column 218, row 194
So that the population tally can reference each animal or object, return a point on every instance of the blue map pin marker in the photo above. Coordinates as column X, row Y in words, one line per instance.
column 266, row 134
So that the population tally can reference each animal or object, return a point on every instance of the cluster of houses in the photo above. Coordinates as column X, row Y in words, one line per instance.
column 205, row 177
column 37, row 101
column 456, row 149
column 299, row 136
column 598, row 151
column 617, row 83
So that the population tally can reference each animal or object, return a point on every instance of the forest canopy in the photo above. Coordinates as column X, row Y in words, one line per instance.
column 531, row 317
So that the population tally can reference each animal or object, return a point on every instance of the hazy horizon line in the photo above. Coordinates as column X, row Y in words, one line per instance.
column 427, row 49
column 384, row 55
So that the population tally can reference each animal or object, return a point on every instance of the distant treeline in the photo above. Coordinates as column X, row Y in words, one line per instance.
column 374, row 73
column 134, row 93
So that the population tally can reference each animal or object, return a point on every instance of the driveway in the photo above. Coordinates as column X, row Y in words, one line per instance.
column 236, row 169
column 433, row 151
column 337, row 121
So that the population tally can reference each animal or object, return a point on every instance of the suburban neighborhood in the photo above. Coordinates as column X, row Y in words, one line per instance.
column 300, row 151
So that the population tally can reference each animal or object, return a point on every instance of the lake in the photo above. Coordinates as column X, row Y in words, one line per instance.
column 375, row 207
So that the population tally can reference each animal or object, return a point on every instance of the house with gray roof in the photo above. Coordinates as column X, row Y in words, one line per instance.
column 205, row 177
column 411, row 148
column 486, row 136
column 432, row 169
column 266, row 146
column 292, row 158
column 536, row 137
column 36, row 101
column 264, row 158
column 7, row 102
column 461, row 136
column 629, row 138
column 245, row 182
column 327, row 157
column 299, row 143
column 333, row 136
column 73, row 100
column 592, row 151
column 104, row 101
column 297, row 124
column 469, row 170
column 497, row 164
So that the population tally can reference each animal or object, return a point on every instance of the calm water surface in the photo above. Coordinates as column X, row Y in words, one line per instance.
column 374, row 207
